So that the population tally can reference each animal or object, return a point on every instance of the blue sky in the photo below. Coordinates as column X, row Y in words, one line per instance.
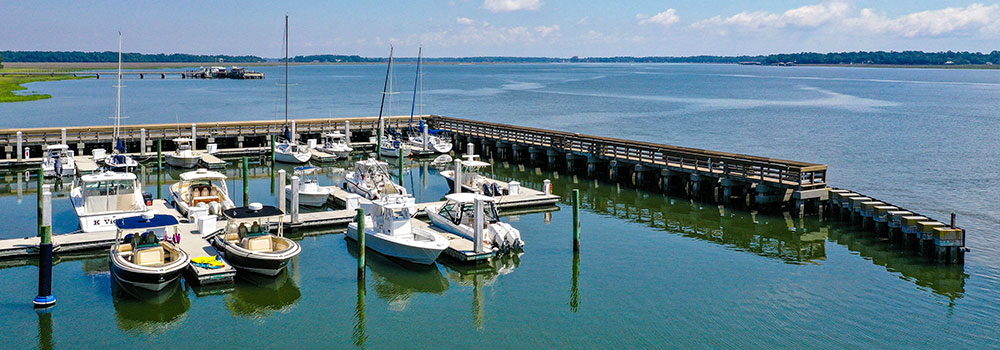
column 559, row 28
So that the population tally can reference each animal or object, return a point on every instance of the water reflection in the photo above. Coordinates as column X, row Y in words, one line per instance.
column 574, row 290
column 360, row 334
column 479, row 276
column 45, row 330
column 257, row 296
column 792, row 240
column 148, row 312
column 397, row 282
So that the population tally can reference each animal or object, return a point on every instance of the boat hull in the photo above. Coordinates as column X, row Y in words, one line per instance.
column 182, row 162
column 417, row 254
column 267, row 264
column 308, row 199
column 148, row 280
column 292, row 158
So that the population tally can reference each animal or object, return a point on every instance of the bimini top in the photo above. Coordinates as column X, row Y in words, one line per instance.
column 466, row 197
column 107, row 176
column 308, row 169
column 202, row 174
column 56, row 147
column 255, row 210
column 147, row 220
column 475, row 164
column 335, row 134
column 182, row 140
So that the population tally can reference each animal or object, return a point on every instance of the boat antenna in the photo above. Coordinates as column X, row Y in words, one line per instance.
column 288, row 134
column 118, row 98
column 385, row 86
column 413, row 105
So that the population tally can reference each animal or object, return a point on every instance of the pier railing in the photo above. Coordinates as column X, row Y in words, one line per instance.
column 87, row 134
column 787, row 173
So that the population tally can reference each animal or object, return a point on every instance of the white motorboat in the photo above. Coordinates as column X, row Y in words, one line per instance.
column 118, row 160
column 201, row 188
column 437, row 144
column 248, row 244
column 389, row 230
column 102, row 198
column 311, row 194
column 140, row 256
column 291, row 152
column 472, row 178
column 337, row 144
column 457, row 215
column 58, row 161
column 184, row 156
column 371, row 180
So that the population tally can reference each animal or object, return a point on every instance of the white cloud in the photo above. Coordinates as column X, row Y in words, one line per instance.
column 511, row 5
column 545, row 31
column 583, row 21
column 806, row 16
column 666, row 18
column 465, row 21
column 841, row 17
column 930, row 23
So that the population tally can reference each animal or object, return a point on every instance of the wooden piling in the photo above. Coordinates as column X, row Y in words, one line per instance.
column 159, row 169
column 38, row 188
column 576, row 220
column 45, row 299
column 361, row 243
column 399, row 165
column 246, row 181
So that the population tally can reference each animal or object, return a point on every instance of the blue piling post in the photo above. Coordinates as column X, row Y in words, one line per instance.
column 45, row 299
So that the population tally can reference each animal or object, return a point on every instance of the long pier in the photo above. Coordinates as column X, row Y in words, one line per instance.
column 730, row 179
column 141, row 74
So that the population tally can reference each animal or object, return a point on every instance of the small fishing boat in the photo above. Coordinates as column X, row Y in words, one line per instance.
column 291, row 152
column 457, row 214
column 201, row 188
column 184, row 156
column 391, row 146
column 141, row 257
column 472, row 178
column 102, row 198
column 336, row 143
column 247, row 242
column 311, row 194
column 389, row 230
column 434, row 143
column 118, row 160
column 58, row 161
column 371, row 180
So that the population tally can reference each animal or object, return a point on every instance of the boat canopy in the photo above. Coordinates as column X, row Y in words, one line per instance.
column 56, row 147
column 308, row 169
column 252, row 212
column 202, row 174
column 107, row 176
column 146, row 221
column 474, row 164
column 182, row 140
column 465, row 197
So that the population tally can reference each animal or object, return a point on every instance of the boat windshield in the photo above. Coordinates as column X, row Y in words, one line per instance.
column 112, row 195
column 490, row 213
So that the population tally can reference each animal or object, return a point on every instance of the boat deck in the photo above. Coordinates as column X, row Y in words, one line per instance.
column 211, row 161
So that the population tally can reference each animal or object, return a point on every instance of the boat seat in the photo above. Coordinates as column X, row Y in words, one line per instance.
column 148, row 256
column 259, row 244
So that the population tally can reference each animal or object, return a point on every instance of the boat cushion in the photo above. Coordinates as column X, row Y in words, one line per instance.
column 149, row 256
column 259, row 244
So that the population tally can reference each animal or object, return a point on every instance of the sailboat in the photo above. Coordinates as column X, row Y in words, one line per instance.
column 388, row 145
column 287, row 150
column 424, row 140
column 118, row 160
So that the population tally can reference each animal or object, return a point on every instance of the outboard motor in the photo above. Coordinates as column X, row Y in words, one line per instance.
column 496, row 189
column 148, row 198
column 57, row 166
column 215, row 208
column 487, row 191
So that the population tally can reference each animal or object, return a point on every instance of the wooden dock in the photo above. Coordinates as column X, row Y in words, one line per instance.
column 210, row 161
column 321, row 157
column 195, row 246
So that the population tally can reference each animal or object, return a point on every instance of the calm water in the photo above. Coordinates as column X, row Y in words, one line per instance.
column 655, row 271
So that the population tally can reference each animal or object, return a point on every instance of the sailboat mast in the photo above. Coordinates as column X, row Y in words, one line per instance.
column 286, row 71
column 413, row 105
column 385, row 86
column 118, row 98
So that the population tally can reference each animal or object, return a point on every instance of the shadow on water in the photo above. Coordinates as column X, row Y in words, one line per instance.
column 148, row 312
column 782, row 237
column 397, row 281
column 258, row 296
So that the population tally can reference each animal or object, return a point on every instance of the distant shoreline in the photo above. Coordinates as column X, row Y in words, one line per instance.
column 70, row 66
column 921, row 66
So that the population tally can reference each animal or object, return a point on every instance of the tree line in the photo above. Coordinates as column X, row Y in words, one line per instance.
column 857, row 57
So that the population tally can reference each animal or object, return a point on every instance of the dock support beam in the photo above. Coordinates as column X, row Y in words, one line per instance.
column 142, row 140
column 63, row 132
column 246, row 181
column 281, row 190
column 194, row 137
column 576, row 220
column 361, row 243
column 45, row 299
column 20, row 146
column 159, row 169
column 295, row 199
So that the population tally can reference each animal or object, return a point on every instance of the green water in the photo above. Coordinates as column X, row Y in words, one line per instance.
column 654, row 271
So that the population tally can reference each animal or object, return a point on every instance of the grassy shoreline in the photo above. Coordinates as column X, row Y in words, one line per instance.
column 10, row 84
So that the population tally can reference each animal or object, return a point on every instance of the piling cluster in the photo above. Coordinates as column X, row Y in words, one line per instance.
column 906, row 229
